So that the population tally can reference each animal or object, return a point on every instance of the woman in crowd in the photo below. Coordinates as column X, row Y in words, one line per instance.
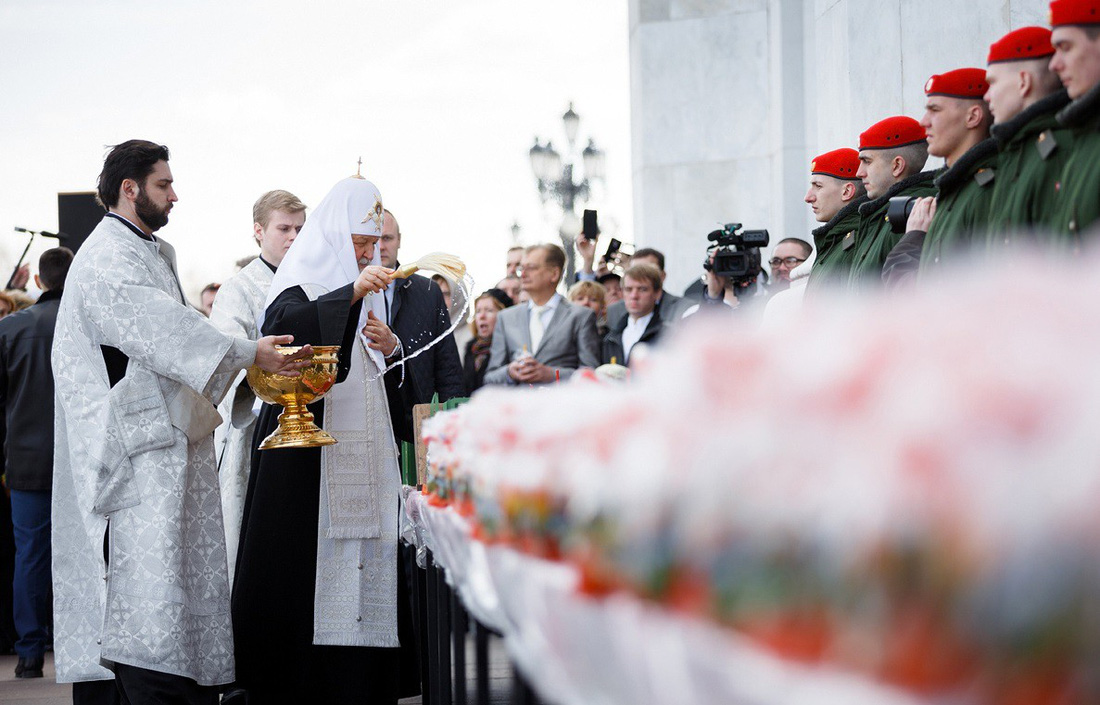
column 592, row 295
column 486, row 308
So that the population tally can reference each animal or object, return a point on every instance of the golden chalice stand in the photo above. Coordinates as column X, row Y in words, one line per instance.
column 296, row 428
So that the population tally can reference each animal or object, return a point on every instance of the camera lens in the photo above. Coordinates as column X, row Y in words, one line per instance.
column 897, row 212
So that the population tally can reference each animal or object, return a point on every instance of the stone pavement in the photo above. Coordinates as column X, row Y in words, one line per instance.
column 44, row 691
column 33, row 691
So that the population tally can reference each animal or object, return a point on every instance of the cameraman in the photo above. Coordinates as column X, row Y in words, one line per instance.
column 723, row 293
column 733, row 268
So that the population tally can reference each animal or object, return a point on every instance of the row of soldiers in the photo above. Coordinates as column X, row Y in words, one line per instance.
column 1021, row 144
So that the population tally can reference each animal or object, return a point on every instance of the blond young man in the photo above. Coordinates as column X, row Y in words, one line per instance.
column 278, row 217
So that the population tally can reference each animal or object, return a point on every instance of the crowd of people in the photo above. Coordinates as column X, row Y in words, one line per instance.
column 187, row 562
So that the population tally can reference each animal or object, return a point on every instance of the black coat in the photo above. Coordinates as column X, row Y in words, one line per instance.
column 473, row 378
column 613, row 341
column 418, row 316
column 274, row 588
column 26, row 394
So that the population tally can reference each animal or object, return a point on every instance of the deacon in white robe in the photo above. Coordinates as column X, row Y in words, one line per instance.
column 240, row 302
column 278, row 218
column 139, row 565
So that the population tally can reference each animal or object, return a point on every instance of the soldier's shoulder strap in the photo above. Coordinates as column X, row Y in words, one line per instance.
column 985, row 176
column 1046, row 143
column 849, row 240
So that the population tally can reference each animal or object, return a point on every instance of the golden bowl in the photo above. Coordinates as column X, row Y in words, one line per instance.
column 296, row 428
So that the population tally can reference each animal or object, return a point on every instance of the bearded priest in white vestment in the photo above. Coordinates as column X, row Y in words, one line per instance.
column 278, row 217
column 315, row 596
column 141, row 583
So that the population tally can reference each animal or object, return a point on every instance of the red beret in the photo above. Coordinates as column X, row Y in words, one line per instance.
column 841, row 163
column 1021, row 44
column 960, row 83
column 892, row 132
column 1064, row 12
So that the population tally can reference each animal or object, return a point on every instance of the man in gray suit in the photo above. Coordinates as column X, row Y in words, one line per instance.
column 546, row 338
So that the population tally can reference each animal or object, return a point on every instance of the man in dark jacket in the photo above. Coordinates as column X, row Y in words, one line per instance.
column 418, row 315
column 642, row 324
column 26, row 397
column 669, row 306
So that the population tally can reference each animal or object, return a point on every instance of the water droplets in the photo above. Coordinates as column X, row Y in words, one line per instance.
column 461, row 292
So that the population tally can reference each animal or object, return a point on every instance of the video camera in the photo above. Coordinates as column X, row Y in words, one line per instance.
column 736, row 255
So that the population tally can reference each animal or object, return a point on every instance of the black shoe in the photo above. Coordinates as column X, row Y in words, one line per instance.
column 29, row 668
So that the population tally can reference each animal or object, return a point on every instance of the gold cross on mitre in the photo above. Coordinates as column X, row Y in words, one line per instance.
column 358, row 169
column 375, row 214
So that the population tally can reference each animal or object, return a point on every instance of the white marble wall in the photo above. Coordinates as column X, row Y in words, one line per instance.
column 732, row 98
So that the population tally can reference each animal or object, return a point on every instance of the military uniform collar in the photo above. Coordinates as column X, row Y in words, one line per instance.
column 921, row 179
column 843, row 213
column 1083, row 113
column 1008, row 130
column 959, row 173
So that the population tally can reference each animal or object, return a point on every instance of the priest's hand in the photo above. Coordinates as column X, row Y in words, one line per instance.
column 371, row 280
column 380, row 335
column 269, row 359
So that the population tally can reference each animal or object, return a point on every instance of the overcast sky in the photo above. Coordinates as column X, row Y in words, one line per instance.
column 441, row 98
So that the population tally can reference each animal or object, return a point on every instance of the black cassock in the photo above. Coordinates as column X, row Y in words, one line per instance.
column 273, row 589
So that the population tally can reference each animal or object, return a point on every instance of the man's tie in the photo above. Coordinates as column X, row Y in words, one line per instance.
column 536, row 327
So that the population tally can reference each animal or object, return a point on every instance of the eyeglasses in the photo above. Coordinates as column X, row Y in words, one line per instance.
column 789, row 261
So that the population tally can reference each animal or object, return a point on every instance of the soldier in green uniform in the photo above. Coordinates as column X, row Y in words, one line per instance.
column 957, row 122
column 892, row 153
column 835, row 195
column 1024, row 95
column 1076, row 40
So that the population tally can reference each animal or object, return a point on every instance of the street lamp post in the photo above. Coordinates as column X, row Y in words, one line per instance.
column 557, row 181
